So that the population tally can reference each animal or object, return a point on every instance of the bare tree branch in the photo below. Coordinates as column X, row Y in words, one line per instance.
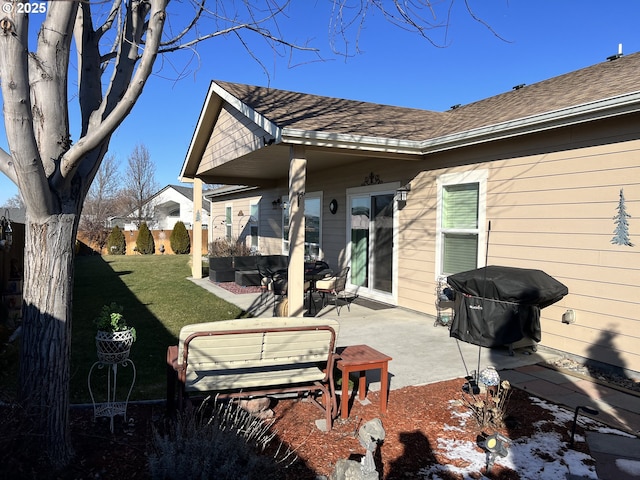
column 100, row 129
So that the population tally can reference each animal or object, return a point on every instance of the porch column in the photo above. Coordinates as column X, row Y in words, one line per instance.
column 297, row 182
column 196, row 248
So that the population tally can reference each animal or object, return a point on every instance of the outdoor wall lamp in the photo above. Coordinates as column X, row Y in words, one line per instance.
column 276, row 203
column 6, row 232
column 403, row 192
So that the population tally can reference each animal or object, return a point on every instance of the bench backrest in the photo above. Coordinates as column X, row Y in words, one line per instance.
column 256, row 342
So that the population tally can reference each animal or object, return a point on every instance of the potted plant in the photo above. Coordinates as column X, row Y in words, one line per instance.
column 114, row 337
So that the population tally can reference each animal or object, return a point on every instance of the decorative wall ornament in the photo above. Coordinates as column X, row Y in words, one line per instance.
column 621, row 232
column 372, row 179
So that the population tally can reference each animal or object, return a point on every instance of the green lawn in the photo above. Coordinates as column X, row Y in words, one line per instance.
column 158, row 300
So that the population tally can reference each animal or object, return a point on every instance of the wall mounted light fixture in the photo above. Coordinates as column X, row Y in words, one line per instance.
column 403, row 192
column 276, row 203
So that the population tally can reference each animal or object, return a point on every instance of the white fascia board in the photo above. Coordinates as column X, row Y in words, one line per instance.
column 591, row 111
column 267, row 125
column 351, row 142
column 205, row 106
column 215, row 89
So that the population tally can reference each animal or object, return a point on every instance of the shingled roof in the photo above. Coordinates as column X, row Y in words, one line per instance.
column 317, row 113
column 334, row 115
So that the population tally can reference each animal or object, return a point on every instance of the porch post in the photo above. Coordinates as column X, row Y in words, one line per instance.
column 297, row 182
column 196, row 248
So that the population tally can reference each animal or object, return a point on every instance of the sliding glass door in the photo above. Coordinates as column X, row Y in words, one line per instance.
column 371, row 234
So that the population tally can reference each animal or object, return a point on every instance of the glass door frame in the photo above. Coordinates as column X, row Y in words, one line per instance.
column 370, row 191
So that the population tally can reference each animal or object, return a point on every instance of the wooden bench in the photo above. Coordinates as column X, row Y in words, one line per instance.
column 256, row 357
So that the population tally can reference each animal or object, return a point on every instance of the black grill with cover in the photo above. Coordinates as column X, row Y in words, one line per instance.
column 497, row 305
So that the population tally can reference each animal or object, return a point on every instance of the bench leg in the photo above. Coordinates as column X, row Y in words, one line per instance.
column 171, row 390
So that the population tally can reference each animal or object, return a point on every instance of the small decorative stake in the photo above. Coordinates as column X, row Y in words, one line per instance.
column 590, row 411
column 495, row 445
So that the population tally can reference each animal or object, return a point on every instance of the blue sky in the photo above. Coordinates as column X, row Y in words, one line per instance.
column 542, row 39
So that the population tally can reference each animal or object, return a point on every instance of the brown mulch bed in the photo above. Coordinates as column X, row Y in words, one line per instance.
column 238, row 289
column 417, row 418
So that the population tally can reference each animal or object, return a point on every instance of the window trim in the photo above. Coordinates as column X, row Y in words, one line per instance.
column 254, row 221
column 474, row 176
column 228, row 227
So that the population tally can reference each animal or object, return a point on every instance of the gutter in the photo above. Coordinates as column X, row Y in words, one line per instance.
column 598, row 110
column 601, row 109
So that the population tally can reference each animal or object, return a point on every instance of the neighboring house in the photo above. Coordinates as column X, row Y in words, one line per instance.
column 171, row 204
column 543, row 165
column 234, row 220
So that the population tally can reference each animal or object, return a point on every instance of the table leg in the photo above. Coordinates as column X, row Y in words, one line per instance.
column 384, row 386
column 344, row 400
column 362, row 385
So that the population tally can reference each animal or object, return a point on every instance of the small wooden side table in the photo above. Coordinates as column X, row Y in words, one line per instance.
column 360, row 358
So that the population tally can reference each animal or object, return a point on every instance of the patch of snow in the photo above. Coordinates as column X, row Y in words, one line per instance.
column 449, row 428
column 632, row 467
column 604, row 429
column 542, row 456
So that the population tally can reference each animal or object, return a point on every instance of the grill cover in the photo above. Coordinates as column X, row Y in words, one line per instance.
column 497, row 305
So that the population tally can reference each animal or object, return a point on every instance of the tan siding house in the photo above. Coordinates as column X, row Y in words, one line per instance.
column 537, row 173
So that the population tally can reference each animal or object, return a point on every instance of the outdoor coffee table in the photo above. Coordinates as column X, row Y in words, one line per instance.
column 360, row 358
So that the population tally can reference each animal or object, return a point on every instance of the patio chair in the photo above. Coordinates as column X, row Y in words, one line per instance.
column 334, row 287
column 279, row 286
column 266, row 281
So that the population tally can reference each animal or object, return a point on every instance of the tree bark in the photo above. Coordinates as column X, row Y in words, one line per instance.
column 46, row 332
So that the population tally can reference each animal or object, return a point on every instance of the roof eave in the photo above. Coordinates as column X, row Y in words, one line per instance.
column 598, row 110
column 312, row 138
column 227, row 192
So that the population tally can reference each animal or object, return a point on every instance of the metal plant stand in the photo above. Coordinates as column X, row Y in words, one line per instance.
column 112, row 406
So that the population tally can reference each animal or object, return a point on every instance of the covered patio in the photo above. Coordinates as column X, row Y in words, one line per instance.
column 272, row 140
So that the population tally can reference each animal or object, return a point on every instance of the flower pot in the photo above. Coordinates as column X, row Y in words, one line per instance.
column 113, row 347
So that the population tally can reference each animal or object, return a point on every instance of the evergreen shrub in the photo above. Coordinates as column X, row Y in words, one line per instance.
column 116, row 243
column 145, row 243
column 179, row 239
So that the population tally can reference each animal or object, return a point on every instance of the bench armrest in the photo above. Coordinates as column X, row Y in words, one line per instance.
column 172, row 357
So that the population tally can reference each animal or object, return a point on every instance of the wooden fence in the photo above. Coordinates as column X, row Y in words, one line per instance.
column 160, row 238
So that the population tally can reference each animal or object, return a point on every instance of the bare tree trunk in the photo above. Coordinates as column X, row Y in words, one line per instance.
column 46, row 336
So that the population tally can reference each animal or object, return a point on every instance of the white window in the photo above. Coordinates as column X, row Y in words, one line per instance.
column 228, row 221
column 253, row 225
column 461, row 221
